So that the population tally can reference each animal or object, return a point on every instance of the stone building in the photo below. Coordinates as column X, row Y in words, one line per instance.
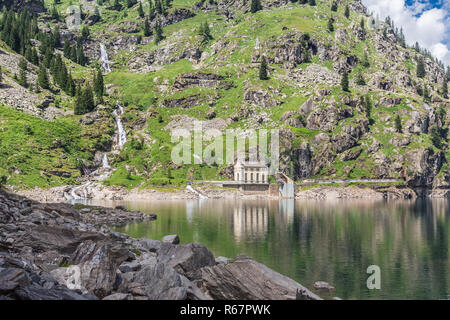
column 251, row 172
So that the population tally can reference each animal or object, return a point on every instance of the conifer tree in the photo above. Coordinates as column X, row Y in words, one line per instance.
column 365, row 61
column 205, row 32
column 140, row 10
column 445, row 89
column 147, row 30
column 70, row 85
column 43, row 81
column 23, row 73
column 99, row 87
column 312, row 2
column 368, row 106
column 158, row 33
column 426, row 93
column 330, row 25
column 263, row 70
column 255, row 6
column 420, row 68
column 362, row 23
column 344, row 82
column 398, row 124
column 334, row 6
column 360, row 79
column 435, row 137
column 347, row 12
column 85, row 32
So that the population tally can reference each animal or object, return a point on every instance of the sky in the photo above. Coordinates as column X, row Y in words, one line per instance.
column 427, row 22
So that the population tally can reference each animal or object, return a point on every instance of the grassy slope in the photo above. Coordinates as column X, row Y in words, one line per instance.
column 151, row 163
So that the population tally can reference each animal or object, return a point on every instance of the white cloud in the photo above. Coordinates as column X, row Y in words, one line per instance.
column 421, row 23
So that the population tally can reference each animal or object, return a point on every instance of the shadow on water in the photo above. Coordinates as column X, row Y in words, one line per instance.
column 333, row 241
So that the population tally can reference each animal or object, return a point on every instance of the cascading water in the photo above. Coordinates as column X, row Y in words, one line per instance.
column 82, row 192
column 105, row 162
column 202, row 197
column 104, row 58
column 122, row 135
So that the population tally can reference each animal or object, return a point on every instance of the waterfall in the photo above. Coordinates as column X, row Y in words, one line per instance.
column 104, row 58
column 105, row 162
column 121, row 131
column 202, row 197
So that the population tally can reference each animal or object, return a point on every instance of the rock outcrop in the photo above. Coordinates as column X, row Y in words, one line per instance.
column 51, row 251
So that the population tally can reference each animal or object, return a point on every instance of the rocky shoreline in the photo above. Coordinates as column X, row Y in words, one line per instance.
column 100, row 192
column 58, row 251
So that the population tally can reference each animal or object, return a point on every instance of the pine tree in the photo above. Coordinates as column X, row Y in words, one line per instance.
column 334, row 6
column 43, row 81
column 362, row 23
column 263, row 70
column 158, row 33
column 70, row 85
column 255, row 6
column 344, row 82
column 420, row 68
column 140, row 10
column 85, row 32
column 398, row 124
column 80, row 57
column 88, row 99
column 360, row 79
column 426, row 94
column 445, row 89
column 23, row 73
column 447, row 75
column 365, row 61
column 368, row 106
column 79, row 104
column 347, row 12
column 205, row 32
column 147, row 30
column 435, row 137
column 99, row 87
column 330, row 25
column 56, row 37
column 312, row 2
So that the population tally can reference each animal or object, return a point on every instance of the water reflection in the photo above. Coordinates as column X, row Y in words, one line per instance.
column 250, row 221
column 321, row 240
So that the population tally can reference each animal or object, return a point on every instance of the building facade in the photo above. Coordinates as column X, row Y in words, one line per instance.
column 251, row 172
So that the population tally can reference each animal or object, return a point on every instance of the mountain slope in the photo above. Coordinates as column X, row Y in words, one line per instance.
column 325, row 131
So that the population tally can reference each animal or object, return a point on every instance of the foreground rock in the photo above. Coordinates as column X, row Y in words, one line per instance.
column 64, row 252
column 247, row 279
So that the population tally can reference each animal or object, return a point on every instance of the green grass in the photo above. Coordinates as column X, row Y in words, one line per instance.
column 30, row 147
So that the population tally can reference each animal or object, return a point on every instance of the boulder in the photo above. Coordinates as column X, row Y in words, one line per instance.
column 98, row 262
column 246, row 279
column 186, row 259
column 173, row 239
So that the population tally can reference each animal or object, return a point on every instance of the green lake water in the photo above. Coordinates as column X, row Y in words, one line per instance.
column 320, row 240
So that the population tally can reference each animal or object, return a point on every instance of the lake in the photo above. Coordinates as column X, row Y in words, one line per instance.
column 332, row 241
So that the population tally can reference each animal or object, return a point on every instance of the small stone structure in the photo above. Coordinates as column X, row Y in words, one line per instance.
column 251, row 172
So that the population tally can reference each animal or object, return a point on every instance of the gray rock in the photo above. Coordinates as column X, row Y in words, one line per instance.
column 129, row 266
column 150, row 245
column 246, row 279
column 322, row 285
column 119, row 296
column 173, row 239
column 186, row 259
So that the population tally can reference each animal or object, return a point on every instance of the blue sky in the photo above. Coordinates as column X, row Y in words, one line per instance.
column 427, row 22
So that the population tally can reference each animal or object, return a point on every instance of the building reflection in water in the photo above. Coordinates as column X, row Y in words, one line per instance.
column 250, row 221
